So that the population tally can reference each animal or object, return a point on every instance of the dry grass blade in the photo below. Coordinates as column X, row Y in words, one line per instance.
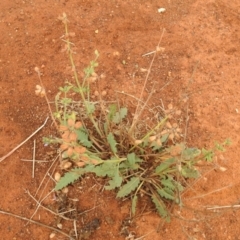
column 11, row 152
column 34, row 158
column 39, row 204
column 47, row 209
column 223, row 207
column 217, row 190
column 136, row 115
column 142, row 237
column 35, row 222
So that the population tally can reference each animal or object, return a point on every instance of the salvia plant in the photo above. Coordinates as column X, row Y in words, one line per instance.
column 103, row 139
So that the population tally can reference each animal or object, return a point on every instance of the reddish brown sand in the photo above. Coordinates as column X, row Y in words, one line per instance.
column 201, row 59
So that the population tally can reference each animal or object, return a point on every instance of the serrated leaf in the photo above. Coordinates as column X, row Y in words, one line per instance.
column 112, row 142
column 179, row 186
column 131, row 163
column 132, row 159
column 82, row 137
column 93, row 159
column 126, row 166
column 161, row 208
column 166, row 193
column 128, row 187
column 119, row 116
column 105, row 169
column 134, row 204
column 115, row 182
column 112, row 111
column 164, row 165
column 69, row 178
column 189, row 173
column 169, row 183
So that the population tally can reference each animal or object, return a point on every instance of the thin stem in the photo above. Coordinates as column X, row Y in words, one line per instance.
column 77, row 80
column 46, row 98
column 144, row 86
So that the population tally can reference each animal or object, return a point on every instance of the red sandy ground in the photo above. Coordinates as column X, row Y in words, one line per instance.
column 202, row 53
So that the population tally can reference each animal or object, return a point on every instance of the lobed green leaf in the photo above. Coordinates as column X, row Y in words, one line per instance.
column 164, row 165
column 69, row 178
column 161, row 208
column 115, row 182
column 128, row 187
column 112, row 142
column 189, row 173
column 82, row 137
column 166, row 193
column 119, row 116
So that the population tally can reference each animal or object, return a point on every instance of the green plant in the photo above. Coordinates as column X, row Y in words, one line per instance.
column 103, row 139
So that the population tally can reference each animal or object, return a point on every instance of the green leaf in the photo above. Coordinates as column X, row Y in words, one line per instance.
column 128, row 187
column 164, row 137
column 190, row 153
column 82, row 137
column 132, row 159
column 169, row 183
column 80, row 89
column 131, row 163
column 179, row 186
column 166, row 193
column 105, row 169
column 115, row 182
column 227, row 142
column 161, row 208
column 164, row 165
column 155, row 146
column 120, row 115
column 93, row 159
column 65, row 89
column 90, row 107
column 134, row 204
column 112, row 111
column 65, row 101
column 69, row 178
column 112, row 142
column 189, row 173
column 208, row 154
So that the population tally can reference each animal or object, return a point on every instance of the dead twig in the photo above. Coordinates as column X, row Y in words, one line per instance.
column 11, row 152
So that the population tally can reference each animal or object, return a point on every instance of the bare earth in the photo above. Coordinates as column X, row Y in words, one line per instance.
column 200, row 61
